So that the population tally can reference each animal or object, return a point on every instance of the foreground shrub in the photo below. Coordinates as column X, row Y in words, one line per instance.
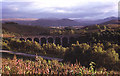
column 41, row 66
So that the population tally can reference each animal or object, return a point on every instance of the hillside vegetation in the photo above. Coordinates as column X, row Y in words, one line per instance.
column 99, row 44
column 24, row 30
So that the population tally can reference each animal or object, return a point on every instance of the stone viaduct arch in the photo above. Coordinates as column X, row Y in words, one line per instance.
column 65, row 41
column 37, row 40
column 43, row 40
column 58, row 41
column 61, row 40
column 30, row 39
column 22, row 39
column 50, row 40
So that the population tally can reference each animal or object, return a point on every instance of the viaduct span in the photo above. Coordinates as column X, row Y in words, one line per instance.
column 61, row 39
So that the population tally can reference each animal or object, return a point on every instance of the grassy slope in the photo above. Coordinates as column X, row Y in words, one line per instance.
column 24, row 29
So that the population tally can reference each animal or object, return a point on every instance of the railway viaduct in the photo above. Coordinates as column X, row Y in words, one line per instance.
column 61, row 39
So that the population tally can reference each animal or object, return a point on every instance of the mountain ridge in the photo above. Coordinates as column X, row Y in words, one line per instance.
column 63, row 22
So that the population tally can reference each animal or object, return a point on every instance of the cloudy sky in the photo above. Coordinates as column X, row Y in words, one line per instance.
column 83, row 9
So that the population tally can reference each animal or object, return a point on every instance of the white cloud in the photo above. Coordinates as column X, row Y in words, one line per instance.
column 42, row 4
column 15, row 9
column 63, row 1
column 66, row 6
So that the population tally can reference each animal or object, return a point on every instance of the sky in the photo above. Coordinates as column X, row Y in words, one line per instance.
column 73, row 9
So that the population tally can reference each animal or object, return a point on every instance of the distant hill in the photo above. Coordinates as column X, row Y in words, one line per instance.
column 98, row 21
column 25, row 30
column 55, row 22
column 47, row 22
column 63, row 22
column 111, row 22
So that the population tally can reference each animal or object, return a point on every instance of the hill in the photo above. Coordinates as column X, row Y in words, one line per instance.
column 96, row 21
column 12, row 27
column 111, row 22
column 62, row 22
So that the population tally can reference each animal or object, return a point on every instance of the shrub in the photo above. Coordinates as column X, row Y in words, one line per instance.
column 97, row 53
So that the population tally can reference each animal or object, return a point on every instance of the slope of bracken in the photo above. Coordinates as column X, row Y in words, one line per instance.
column 41, row 66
